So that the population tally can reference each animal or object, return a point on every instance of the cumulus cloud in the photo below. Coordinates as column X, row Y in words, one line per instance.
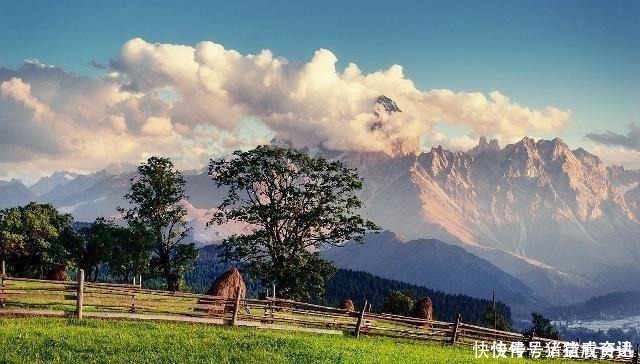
column 313, row 102
column 630, row 140
column 614, row 155
column 16, row 89
column 190, row 102
column 157, row 126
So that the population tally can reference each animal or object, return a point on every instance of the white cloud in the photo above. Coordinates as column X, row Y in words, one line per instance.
column 20, row 91
column 617, row 155
column 187, row 102
column 118, row 123
column 313, row 102
column 157, row 126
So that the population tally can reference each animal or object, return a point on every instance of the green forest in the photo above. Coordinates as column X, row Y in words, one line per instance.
column 357, row 286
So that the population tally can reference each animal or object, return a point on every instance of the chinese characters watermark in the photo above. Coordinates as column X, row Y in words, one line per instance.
column 554, row 349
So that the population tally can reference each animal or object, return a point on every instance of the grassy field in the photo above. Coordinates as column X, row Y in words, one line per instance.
column 50, row 340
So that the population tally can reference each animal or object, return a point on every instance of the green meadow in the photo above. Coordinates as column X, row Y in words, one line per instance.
column 55, row 340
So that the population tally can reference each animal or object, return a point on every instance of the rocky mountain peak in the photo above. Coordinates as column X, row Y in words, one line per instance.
column 527, row 142
column 389, row 105
column 384, row 109
column 554, row 149
column 622, row 176
column 13, row 181
column 282, row 143
column 584, row 156
column 119, row 168
column 48, row 183
column 483, row 146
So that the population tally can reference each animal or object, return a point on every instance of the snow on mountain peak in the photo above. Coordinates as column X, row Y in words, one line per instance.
column 48, row 183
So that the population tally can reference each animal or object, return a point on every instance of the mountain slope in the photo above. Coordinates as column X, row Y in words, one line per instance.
column 558, row 211
column 610, row 306
column 433, row 264
column 48, row 183
column 360, row 286
column 15, row 193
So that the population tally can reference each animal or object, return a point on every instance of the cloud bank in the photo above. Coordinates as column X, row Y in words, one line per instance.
column 192, row 102
column 630, row 140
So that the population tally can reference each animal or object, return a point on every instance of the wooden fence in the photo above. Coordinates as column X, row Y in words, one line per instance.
column 29, row 297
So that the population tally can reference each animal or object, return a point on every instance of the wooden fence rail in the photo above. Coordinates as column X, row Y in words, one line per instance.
column 21, row 296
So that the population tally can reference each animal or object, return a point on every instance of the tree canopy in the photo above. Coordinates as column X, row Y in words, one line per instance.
column 36, row 239
column 124, row 250
column 157, row 199
column 293, row 205
column 398, row 302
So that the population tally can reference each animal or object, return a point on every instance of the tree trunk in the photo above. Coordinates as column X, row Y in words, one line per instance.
column 172, row 279
column 173, row 282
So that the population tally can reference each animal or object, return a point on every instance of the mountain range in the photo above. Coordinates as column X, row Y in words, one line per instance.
column 534, row 220
column 557, row 219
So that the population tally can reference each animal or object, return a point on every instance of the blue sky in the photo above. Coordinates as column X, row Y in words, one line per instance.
column 581, row 56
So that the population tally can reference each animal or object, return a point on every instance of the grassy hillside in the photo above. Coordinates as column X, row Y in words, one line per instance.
column 41, row 340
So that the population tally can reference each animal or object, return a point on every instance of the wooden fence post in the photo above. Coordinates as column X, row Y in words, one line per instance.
column 133, row 302
column 361, row 319
column 236, row 308
column 140, row 280
column 4, row 272
column 80, row 294
column 454, row 334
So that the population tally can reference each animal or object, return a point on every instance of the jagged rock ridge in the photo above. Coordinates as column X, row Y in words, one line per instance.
column 538, row 201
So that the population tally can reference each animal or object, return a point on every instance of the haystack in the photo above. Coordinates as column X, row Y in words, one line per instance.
column 57, row 272
column 226, row 286
column 348, row 305
column 423, row 309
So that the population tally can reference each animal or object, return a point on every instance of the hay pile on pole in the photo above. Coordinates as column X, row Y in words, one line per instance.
column 423, row 309
column 226, row 286
column 57, row 272
column 348, row 305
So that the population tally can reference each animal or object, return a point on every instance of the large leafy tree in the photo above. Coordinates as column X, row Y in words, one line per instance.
column 36, row 239
column 123, row 249
column 293, row 205
column 130, row 254
column 157, row 200
column 398, row 302
column 94, row 247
